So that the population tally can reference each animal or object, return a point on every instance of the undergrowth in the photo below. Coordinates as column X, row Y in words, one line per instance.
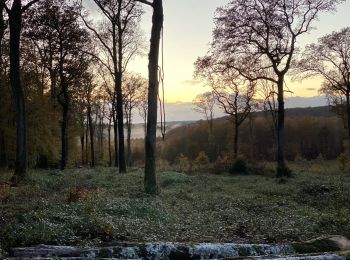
column 96, row 206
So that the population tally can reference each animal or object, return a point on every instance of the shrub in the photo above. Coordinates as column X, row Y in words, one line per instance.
column 202, row 159
column 344, row 160
column 183, row 162
column 221, row 165
column 162, row 165
column 239, row 166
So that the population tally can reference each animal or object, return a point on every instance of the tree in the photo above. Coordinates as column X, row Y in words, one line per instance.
column 88, row 88
column 205, row 104
column 330, row 59
column 132, row 91
column 143, row 108
column 2, row 79
column 15, row 14
column 60, row 31
column 233, row 93
column 120, row 42
column 150, row 181
column 255, row 36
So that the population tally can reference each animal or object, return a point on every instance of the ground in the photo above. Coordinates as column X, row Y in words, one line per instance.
column 99, row 206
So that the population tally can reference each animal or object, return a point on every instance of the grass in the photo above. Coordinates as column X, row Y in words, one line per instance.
column 99, row 206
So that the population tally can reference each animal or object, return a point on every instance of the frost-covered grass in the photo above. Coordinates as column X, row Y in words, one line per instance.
column 97, row 206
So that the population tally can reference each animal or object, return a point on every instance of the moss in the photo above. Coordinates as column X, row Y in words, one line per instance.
column 243, row 251
column 105, row 253
column 315, row 246
column 258, row 250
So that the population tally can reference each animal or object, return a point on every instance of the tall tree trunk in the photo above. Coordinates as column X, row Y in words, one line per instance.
column 15, row 18
column 348, row 109
column 115, row 128
column 145, row 125
column 82, row 143
column 150, row 181
column 53, row 84
column 236, row 136
column 120, row 115
column 101, row 129
column 109, row 142
column 64, row 134
column 129, row 138
column 3, row 156
column 282, row 170
column 86, row 142
column 91, row 130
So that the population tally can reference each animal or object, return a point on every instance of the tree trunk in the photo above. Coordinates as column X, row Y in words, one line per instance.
column 86, row 142
column 91, row 130
column 115, row 128
column 348, row 109
column 82, row 143
column 109, row 142
column 3, row 160
column 3, row 156
column 120, row 106
column 15, row 18
column 64, row 134
column 236, row 136
column 145, row 125
column 129, row 139
column 101, row 127
column 150, row 181
column 282, row 170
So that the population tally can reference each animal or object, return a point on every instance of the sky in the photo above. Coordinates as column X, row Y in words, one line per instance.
column 188, row 26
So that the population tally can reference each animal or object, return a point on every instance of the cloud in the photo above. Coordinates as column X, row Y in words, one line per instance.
column 310, row 89
column 191, row 82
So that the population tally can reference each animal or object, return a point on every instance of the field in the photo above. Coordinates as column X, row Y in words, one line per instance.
column 98, row 206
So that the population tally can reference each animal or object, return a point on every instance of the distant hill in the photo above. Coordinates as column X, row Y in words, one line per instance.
column 323, row 111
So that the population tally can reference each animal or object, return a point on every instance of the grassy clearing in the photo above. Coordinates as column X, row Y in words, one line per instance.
column 85, row 206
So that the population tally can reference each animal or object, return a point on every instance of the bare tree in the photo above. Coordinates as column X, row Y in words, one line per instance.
column 132, row 90
column 15, row 13
column 205, row 104
column 233, row 93
column 88, row 88
column 143, row 108
column 2, row 69
column 119, row 38
column 150, row 180
column 330, row 59
column 254, row 36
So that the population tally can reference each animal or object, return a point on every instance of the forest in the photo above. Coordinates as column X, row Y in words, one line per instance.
column 71, row 173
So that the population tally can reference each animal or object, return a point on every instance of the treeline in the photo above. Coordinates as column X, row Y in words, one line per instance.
column 307, row 138
column 65, row 91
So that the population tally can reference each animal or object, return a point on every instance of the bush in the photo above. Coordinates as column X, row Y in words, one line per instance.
column 202, row 159
column 221, row 165
column 344, row 160
column 239, row 166
column 183, row 163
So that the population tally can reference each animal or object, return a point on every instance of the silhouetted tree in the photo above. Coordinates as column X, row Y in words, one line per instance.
column 205, row 104
column 150, row 180
column 119, row 38
column 254, row 36
column 2, row 79
column 133, row 85
column 330, row 59
column 62, row 34
column 233, row 93
column 15, row 13
column 143, row 108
